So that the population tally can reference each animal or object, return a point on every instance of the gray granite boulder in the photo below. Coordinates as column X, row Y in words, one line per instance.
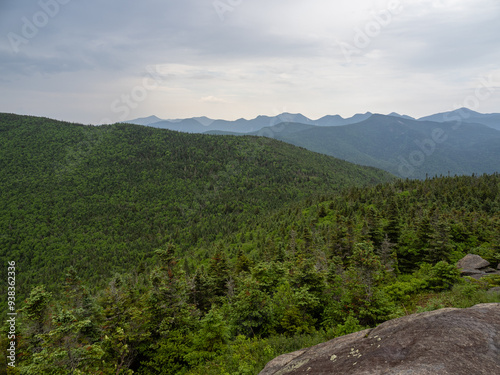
column 472, row 273
column 442, row 342
column 472, row 262
column 474, row 266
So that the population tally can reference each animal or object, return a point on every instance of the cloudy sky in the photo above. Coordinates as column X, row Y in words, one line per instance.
column 113, row 60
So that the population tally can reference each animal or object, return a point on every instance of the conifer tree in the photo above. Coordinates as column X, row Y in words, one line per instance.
column 201, row 293
column 218, row 273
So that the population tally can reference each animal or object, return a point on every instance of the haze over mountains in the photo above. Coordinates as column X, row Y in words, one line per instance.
column 205, row 124
column 457, row 142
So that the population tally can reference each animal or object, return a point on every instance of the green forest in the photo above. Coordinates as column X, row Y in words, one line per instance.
column 102, row 199
column 147, row 251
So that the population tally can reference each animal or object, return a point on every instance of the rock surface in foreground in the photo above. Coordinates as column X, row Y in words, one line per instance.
column 446, row 341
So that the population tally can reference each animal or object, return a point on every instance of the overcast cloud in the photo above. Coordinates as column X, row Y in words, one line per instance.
column 106, row 61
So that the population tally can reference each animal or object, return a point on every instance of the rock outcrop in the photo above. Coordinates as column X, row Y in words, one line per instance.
column 447, row 341
column 476, row 267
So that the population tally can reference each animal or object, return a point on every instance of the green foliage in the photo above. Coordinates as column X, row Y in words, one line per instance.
column 403, row 290
column 125, row 323
column 36, row 306
column 210, row 339
column 243, row 264
column 66, row 349
column 103, row 198
column 218, row 274
column 268, row 275
column 441, row 276
column 201, row 294
column 491, row 280
column 245, row 356
column 298, row 317
column 350, row 325
column 463, row 294
column 251, row 311
column 488, row 251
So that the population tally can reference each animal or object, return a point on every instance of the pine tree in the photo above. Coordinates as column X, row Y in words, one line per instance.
column 393, row 228
column 218, row 273
column 201, row 293
column 242, row 263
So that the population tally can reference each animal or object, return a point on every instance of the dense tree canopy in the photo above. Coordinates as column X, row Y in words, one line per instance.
column 102, row 199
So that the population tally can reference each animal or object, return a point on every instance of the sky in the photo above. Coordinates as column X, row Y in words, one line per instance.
column 107, row 61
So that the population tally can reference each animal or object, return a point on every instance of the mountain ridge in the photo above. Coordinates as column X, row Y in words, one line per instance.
column 465, row 115
column 404, row 147
column 204, row 124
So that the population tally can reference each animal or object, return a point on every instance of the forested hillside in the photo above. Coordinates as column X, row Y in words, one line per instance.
column 102, row 199
column 146, row 251
column 328, row 266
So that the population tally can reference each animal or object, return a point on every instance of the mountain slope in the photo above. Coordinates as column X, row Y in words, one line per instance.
column 102, row 198
column 404, row 147
column 315, row 270
column 462, row 115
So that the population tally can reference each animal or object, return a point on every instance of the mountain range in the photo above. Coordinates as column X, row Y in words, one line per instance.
column 205, row 124
column 466, row 115
column 406, row 148
column 460, row 142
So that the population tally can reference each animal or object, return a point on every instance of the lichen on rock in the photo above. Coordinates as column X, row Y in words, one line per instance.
column 442, row 342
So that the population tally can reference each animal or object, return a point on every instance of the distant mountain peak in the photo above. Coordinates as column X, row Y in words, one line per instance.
column 145, row 120
column 458, row 111
column 333, row 116
column 293, row 117
column 467, row 110
column 362, row 115
column 395, row 114
column 205, row 121
column 491, row 120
